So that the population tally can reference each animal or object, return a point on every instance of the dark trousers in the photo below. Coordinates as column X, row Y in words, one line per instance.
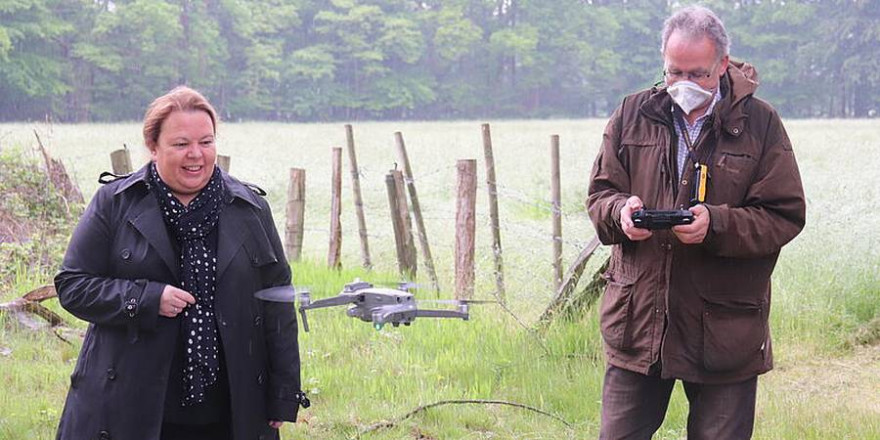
column 214, row 431
column 634, row 406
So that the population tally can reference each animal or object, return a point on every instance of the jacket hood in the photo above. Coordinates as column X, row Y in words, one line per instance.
column 742, row 78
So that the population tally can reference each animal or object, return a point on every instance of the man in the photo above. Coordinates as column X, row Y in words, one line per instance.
column 692, row 302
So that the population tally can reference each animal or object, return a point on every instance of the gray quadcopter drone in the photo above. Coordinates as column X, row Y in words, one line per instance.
column 381, row 305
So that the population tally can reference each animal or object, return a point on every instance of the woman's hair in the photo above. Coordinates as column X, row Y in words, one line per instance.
column 695, row 22
column 181, row 98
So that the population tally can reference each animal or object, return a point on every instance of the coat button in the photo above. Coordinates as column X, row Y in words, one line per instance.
column 111, row 374
column 104, row 435
column 261, row 379
column 125, row 254
column 257, row 321
column 684, row 181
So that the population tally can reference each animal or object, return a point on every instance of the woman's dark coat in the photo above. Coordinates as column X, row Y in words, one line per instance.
column 117, row 264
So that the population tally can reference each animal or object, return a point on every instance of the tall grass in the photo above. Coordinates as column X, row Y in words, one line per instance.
column 826, row 288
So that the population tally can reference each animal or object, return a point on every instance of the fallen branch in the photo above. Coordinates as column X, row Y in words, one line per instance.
column 567, row 288
column 41, row 293
column 29, row 304
column 392, row 423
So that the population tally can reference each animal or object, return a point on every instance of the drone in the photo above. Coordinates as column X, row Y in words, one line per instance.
column 381, row 305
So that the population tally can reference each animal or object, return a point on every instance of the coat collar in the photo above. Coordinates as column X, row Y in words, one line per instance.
column 236, row 188
column 235, row 219
column 738, row 83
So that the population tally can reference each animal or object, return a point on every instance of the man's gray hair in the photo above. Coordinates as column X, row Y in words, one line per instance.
column 695, row 22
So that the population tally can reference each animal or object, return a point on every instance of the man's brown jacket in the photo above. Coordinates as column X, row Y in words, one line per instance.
column 696, row 312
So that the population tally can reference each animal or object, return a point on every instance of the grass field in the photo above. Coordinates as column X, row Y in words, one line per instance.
column 825, row 319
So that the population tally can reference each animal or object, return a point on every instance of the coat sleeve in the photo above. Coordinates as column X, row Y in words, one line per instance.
column 85, row 285
column 774, row 209
column 609, row 184
column 285, row 393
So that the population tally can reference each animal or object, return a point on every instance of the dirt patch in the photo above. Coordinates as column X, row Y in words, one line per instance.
column 851, row 381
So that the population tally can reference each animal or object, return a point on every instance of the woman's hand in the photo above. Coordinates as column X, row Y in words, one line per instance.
column 276, row 423
column 173, row 301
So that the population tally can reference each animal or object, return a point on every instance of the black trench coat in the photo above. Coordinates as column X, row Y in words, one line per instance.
column 118, row 262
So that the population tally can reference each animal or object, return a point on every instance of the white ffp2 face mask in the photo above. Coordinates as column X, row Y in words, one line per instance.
column 688, row 95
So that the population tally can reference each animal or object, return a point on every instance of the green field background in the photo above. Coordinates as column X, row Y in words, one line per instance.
column 826, row 293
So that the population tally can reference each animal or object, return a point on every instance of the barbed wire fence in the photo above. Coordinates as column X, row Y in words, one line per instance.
column 525, row 227
column 525, row 222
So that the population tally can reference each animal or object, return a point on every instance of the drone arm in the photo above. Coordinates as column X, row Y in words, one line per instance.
column 305, row 304
column 442, row 314
column 329, row 302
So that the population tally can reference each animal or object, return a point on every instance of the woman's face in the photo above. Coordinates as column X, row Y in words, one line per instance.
column 185, row 153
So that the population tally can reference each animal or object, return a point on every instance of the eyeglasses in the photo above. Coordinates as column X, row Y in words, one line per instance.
column 696, row 75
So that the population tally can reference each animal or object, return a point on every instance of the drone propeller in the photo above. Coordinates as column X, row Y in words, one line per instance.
column 283, row 294
column 406, row 286
column 459, row 301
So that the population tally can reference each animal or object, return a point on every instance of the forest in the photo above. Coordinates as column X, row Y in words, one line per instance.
column 330, row 60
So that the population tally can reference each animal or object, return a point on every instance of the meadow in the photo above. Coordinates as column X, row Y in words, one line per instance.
column 826, row 293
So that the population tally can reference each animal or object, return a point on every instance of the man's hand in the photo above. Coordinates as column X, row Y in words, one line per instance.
column 173, row 301
column 276, row 423
column 695, row 232
column 633, row 204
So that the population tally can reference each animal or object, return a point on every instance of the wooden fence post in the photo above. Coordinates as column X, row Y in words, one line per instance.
column 403, row 212
column 493, row 212
column 555, row 196
column 335, row 248
column 223, row 162
column 296, row 204
column 465, row 228
column 120, row 161
column 358, row 199
column 417, row 210
column 403, row 240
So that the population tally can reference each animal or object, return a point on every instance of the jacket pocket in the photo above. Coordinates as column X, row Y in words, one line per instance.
column 615, row 314
column 85, row 357
column 733, row 335
column 731, row 178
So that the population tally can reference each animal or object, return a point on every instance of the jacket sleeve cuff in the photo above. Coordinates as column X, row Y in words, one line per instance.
column 147, row 306
column 718, row 219
column 284, row 404
column 616, row 234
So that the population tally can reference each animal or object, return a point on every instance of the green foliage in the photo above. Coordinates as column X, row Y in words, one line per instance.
column 37, row 218
column 86, row 60
column 824, row 314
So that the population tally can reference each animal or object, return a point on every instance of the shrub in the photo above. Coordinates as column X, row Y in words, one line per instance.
column 36, row 219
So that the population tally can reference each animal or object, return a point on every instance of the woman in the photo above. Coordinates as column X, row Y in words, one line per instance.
column 164, row 265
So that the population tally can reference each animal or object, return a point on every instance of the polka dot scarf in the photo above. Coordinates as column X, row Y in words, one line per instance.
column 191, row 226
